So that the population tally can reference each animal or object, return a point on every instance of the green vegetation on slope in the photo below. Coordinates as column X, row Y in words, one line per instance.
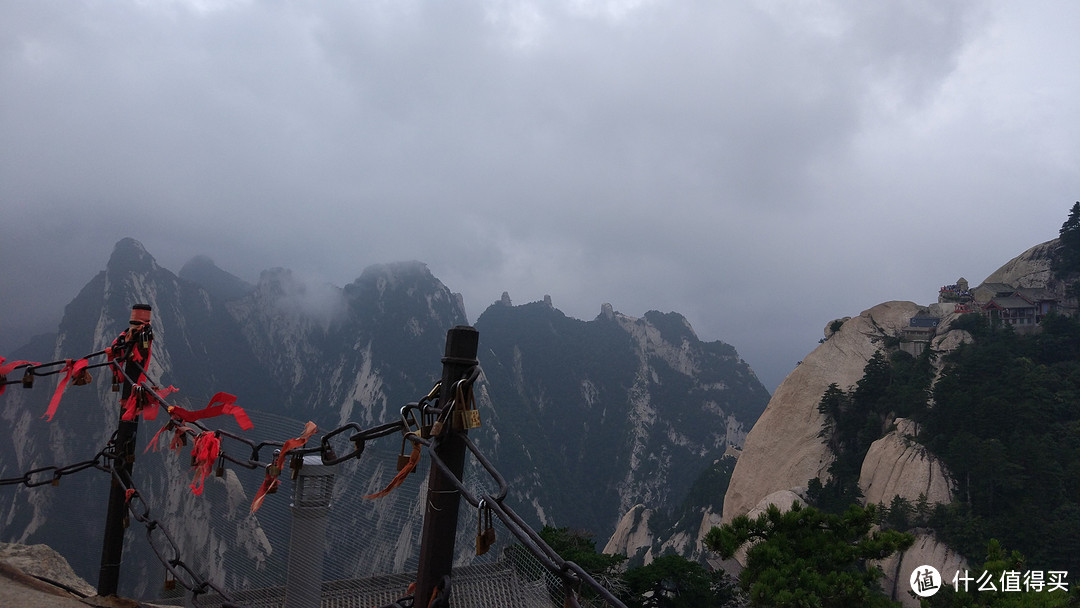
column 806, row 557
column 1006, row 423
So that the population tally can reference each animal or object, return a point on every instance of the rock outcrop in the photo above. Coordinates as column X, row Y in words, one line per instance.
column 896, row 465
column 40, row 561
column 631, row 534
column 926, row 550
column 1031, row 269
column 783, row 450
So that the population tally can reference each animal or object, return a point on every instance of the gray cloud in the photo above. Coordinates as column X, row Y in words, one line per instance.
column 761, row 167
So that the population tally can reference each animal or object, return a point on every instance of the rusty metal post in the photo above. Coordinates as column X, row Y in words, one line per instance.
column 441, row 511
column 112, row 547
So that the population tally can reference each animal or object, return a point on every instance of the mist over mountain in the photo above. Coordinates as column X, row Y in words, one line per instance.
column 586, row 419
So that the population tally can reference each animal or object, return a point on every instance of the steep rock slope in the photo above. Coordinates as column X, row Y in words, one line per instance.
column 783, row 450
column 596, row 417
column 355, row 353
column 183, row 315
column 896, row 465
column 587, row 419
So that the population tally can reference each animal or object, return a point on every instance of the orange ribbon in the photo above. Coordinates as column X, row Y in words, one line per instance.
column 270, row 483
column 405, row 471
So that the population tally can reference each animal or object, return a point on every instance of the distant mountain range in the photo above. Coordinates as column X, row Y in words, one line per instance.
column 586, row 419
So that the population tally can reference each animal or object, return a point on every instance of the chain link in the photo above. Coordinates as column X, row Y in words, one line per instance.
column 174, row 564
column 51, row 475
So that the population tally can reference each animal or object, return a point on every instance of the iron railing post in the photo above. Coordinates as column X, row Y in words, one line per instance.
column 112, row 547
column 441, row 511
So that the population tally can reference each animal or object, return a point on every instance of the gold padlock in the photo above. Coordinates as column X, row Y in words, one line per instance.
column 485, row 531
column 409, row 421
column 272, row 472
column 296, row 461
column 466, row 416
column 403, row 458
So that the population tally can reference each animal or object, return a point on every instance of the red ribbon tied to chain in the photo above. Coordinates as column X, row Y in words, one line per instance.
column 132, row 405
column 204, row 453
column 177, row 442
column 71, row 368
column 405, row 471
column 270, row 484
column 221, row 403
column 7, row 369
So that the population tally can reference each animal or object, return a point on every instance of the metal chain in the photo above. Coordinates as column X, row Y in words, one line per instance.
column 52, row 474
column 571, row 574
column 174, row 564
column 116, row 354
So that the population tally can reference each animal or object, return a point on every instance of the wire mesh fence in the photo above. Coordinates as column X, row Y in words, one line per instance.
column 336, row 532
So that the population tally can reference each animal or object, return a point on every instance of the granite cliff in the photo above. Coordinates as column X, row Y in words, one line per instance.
column 585, row 418
column 784, row 450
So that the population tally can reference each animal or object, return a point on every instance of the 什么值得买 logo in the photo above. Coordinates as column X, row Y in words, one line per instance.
column 925, row 581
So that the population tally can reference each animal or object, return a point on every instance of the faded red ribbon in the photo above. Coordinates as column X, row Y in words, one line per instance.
column 405, row 471
column 270, row 483
column 203, row 455
column 71, row 368
column 131, row 406
column 177, row 440
column 221, row 403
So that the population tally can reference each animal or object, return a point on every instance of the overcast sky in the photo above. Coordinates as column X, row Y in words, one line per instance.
column 760, row 167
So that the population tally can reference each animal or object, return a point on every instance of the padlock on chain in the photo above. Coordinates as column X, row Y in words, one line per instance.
column 428, row 420
column 409, row 421
column 272, row 471
column 485, row 531
column 296, row 462
column 116, row 379
column 403, row 458
column 437, row 428
column 466, row 416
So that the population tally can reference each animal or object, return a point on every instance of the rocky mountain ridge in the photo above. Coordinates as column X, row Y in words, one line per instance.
column 586, row 418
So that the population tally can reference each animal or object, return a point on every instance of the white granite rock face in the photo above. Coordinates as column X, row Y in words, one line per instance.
column 897, row 466
column 783, row 450
column 926, row 551
column 632, row 533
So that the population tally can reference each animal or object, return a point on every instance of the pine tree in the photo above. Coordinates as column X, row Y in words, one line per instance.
column 805, row 557
column 1069, row 259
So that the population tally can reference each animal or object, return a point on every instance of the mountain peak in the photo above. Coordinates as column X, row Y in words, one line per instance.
column 397, row 270
column 202, row 271
column 378, row 279
column 129, row 255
